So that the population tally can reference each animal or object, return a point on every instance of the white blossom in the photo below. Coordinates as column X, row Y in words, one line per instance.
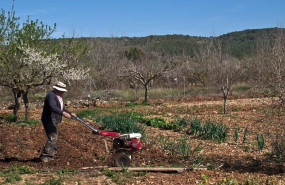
column 38, row 64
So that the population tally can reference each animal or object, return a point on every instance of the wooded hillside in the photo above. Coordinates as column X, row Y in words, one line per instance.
column 239, row 44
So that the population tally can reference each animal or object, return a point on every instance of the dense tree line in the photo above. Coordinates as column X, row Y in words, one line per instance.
column 219, row 62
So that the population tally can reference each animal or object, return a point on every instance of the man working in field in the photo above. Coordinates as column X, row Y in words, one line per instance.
column 52, row 115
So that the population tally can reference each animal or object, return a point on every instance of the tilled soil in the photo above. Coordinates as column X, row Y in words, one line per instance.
column 79, row 148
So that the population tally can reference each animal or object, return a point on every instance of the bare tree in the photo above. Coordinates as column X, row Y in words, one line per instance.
column 269, row 64
column 106, row 58
column 218, row 68
column 202, row 64
column 145, row 67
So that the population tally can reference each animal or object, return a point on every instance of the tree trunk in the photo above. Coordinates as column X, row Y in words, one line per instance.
column 27, row 106
column 17, row 99
column 146, row 88
column 225, row 93
column 225, row 104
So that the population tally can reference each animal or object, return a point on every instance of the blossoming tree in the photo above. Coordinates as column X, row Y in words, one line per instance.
column 28, row 58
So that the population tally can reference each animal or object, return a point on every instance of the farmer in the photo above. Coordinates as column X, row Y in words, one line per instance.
column 52, row 114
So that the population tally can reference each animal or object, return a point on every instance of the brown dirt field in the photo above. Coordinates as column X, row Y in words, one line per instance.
column 79, row 148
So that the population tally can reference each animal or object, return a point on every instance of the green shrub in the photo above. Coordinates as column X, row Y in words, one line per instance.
column 11, row 118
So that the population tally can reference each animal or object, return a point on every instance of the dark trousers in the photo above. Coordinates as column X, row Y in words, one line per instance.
column 52, row 138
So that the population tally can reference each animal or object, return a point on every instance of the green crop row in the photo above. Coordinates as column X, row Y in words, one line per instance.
column 208, row 130
column 121, row 122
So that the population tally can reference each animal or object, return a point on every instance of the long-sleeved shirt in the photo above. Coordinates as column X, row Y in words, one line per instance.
column 52, row 111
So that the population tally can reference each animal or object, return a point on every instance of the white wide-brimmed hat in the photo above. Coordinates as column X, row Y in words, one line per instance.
column 60, row 86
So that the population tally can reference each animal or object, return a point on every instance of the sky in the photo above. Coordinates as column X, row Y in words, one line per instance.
column 139, row 18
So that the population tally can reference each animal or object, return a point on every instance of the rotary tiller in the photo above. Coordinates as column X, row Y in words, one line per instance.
column 123, row 145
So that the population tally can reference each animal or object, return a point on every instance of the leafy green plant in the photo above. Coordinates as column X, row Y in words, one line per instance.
column 196, row 126
column 210, row 130
column 260, row 141
column 121, row 123
column 204, row 180
column 11, row 118
column 214, row 131
column 133, row 115
column 236, row 134
column 183, row 122
column 245, row 135
column 160, row 123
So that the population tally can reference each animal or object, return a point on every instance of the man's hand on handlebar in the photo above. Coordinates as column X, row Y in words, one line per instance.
column 67, row 115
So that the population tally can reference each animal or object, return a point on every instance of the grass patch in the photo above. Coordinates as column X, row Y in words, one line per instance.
column 87, row 113
column 66, row 171
column 13, row 174
column 133, row 104
column 11, row 118
column 241, row 87
column 54, row 181
column 30, row 122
